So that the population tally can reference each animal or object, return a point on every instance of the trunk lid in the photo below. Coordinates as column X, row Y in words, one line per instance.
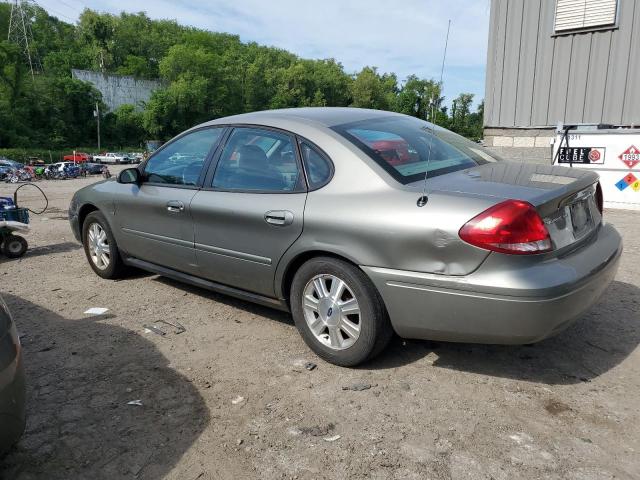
column 564, row 197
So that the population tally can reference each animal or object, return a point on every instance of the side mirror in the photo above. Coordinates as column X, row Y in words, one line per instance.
column 130, row 175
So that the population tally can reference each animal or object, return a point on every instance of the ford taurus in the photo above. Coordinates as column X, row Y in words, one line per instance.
column 361, row 223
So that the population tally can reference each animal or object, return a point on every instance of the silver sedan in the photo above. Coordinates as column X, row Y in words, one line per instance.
column 361, row 223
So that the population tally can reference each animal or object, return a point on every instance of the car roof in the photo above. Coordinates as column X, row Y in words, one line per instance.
column 324, row 116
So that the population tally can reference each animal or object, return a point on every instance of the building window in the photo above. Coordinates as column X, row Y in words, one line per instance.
column 584, row 14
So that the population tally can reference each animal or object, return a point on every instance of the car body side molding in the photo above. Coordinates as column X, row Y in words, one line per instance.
column 159, row 238
column 233, row 253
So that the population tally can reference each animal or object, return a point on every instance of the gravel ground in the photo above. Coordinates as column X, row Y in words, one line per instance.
column 231, row 398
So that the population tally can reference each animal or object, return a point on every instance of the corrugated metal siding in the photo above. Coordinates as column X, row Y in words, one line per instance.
column 614, row 93
column 535, row 78
column 511, row 62
column 631, row 108
column 544, row 62
column 597, row 74
column 527, row 63
column 496, row 58
column 578, row 74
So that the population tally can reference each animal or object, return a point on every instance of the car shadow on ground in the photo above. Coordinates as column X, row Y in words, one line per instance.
column 46, row 250
column 590, row 347
column 80, row 375
column 253, row 308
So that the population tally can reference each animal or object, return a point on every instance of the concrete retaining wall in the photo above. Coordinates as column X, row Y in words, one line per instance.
column 119, row 89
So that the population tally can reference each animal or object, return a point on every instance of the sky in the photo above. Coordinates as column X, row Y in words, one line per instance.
column 405, row 37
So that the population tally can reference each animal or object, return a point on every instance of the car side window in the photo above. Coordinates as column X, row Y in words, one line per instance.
column 316, row 164
column 257, row 159
column 181, row 162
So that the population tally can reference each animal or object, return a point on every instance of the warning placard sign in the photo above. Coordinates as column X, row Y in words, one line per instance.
column 630, row 157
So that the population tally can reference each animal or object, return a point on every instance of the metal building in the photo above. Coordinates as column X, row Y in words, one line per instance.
column 551, row 61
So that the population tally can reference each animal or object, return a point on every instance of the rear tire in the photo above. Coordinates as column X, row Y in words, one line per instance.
column 339, row 312
column 100, row 247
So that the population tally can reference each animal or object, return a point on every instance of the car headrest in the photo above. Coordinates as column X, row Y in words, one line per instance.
column 252, row 157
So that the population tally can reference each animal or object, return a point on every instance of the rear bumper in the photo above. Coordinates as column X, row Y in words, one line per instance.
column 12, row 401
column 508, row 300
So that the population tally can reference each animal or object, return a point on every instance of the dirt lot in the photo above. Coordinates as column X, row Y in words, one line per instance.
column 564, row 408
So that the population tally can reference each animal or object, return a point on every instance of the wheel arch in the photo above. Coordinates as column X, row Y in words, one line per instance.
column 85, row 210
column 284, row 284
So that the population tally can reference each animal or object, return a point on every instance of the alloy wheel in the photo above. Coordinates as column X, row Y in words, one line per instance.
column 331, row 311
column 99, row 246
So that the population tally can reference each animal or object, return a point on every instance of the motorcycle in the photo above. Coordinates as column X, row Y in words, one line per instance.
column 18, row 175
column 39, row 172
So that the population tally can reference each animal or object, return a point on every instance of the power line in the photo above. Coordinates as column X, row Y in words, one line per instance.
column 57, row 13
column 75, row 9
column 70, row 6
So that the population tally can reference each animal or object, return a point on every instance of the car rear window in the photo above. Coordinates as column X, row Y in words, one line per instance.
column 408, row 147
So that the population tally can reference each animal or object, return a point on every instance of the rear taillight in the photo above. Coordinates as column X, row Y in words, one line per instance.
column 599, row 198
column 512, row 226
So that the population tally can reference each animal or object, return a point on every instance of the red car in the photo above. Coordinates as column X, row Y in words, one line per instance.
column 77, row 157
column 395, row 152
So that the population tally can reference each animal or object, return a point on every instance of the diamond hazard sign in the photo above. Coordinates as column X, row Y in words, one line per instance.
column 630, row 157
column 629, row 180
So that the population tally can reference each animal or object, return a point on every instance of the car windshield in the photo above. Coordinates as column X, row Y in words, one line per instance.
column 408, row 147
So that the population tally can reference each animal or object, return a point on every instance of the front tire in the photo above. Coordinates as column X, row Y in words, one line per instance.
column 100, row 247
column 339, row 312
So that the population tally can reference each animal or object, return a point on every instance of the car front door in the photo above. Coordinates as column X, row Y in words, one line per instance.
column 155, row 216
column 250, row 209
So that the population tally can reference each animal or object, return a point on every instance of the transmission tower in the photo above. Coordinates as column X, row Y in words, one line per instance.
column 20, row 31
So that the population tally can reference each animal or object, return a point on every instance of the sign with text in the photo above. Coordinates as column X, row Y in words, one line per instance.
column 588, row 155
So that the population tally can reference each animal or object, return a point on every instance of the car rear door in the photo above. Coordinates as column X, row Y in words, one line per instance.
column 155, row 216
column 250, row 210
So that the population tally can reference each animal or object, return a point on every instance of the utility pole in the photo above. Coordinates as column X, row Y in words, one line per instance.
column 20, row 32
column 96, row 113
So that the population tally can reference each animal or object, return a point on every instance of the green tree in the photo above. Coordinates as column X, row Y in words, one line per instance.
column 420, row 98
column 125, row 126
column 371, row 90
column 462, row 120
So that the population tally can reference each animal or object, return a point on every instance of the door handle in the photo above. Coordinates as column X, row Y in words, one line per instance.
column 279, row 218
column 175, row 206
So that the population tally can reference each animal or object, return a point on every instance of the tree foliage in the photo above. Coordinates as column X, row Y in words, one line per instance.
column 204, row 75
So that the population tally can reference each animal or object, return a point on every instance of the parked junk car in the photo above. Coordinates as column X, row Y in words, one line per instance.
column 77, row 157
column 5, row 171
column 5, row 162
column 93, row 168
column 63, row 170
column 299, row 210
column 12, row 382
column 115, row 158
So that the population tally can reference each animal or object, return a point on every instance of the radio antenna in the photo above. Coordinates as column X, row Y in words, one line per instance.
column 422, row 201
